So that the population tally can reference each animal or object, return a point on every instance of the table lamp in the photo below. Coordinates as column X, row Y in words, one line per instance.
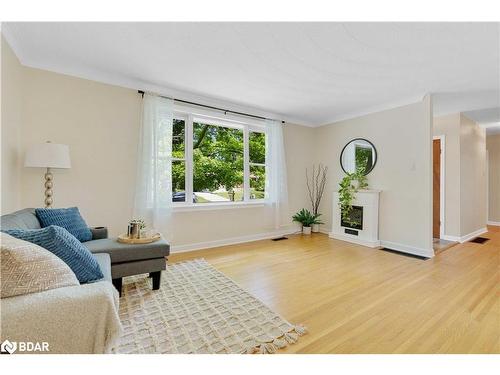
column 48, row 155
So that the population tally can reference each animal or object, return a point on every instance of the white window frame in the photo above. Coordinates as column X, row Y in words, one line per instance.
column 185, row 119
column 191, row 115
column 249, row 163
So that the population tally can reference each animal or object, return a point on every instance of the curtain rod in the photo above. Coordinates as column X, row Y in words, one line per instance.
column 211, row 107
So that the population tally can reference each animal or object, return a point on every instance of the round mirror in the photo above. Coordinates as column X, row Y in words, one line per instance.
column 358, row 154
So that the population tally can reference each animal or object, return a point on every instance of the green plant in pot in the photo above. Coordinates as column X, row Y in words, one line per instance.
column 307, row 219
column 348, row 188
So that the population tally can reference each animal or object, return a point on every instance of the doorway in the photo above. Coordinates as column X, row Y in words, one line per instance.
column 439, row 243
column 436, row 187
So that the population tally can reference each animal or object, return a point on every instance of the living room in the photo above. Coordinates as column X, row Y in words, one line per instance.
column 232, row 187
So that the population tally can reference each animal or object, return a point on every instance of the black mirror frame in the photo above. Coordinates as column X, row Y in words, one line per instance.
column 359, row 139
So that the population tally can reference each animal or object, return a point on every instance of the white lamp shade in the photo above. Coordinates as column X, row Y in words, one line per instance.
column 47, row 155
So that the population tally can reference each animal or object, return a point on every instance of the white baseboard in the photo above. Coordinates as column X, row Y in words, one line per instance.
column 451, row 238
column 357, row 241
column 230, row 241
column 428, row 253
column 263, row 236
column 470, row 236
column 496, row 223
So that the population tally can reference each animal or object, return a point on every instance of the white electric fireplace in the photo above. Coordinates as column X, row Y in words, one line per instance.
column 363, row 229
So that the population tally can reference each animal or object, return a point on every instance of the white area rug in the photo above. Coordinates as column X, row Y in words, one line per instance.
column 198, row 310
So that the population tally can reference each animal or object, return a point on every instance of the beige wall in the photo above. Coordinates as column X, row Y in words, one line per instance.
column 402, row 137
column 472, row 176
column 11, row 98
column 449, row 126
column 493, row 147
column 100, row 123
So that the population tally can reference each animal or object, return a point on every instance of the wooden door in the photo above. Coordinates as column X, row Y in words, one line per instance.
column 436, row 187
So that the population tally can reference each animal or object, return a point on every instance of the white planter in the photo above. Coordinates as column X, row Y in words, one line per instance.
column 306, row 230
column 315, row 228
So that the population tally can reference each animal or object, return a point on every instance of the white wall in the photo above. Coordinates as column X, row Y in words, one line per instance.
column 493, row 147
column 449, row 126
column 11, row 98
column 465, row 172
column 472, row 177
column 402, row 137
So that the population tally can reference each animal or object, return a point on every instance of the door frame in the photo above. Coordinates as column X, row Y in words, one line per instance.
column 487, row 186
column 442, row 184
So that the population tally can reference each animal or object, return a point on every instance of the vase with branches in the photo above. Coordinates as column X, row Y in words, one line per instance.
column 316, row 182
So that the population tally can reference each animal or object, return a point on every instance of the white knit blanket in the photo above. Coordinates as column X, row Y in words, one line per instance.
column 75, row 319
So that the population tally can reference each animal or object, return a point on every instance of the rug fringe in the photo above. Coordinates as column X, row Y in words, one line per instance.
column 290, row 337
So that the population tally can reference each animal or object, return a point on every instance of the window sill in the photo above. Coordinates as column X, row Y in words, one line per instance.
column 217, row 206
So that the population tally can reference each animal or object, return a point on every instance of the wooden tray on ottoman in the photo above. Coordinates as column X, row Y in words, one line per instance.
column 123, row 238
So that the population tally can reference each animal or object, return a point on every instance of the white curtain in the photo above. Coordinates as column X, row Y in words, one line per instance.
column 276, row 180
column 153, row 195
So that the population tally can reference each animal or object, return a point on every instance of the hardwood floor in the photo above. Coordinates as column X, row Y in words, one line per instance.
column 354, row 299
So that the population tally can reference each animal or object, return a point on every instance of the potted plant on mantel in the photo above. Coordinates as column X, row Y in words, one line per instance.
column 307, row 219
column 316, row 186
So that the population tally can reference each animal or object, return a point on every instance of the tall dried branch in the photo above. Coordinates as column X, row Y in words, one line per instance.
column 316, row 185
column 310, row 188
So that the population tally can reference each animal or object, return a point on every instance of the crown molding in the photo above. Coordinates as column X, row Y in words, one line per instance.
column 137, row 84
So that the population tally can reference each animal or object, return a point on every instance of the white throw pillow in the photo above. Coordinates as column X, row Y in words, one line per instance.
column 28, row 268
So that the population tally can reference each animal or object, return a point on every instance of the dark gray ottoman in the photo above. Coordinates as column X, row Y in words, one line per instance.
column 129, row 259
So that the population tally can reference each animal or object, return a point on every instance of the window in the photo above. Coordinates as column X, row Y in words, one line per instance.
column 179, row 161
column 217, row 161
column 257, row 149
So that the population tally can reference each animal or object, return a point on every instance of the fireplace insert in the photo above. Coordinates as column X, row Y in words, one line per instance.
column 354, row 220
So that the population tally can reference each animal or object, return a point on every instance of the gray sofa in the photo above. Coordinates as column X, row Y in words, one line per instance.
column 116, row 259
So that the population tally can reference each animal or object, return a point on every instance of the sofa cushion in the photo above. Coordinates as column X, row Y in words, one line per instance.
column 63, row 244
column 28, row 268
column 104, row 262
column 121, row 252
column 67, row 218
column 22, row 219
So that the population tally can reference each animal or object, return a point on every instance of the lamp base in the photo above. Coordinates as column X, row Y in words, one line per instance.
column 48, row 188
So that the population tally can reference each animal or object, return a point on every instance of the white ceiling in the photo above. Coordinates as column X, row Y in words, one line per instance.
column 489, row 118
column 309, row 73
column 493, row 129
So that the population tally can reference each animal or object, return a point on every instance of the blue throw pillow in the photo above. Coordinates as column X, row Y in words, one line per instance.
column 68, row 218
column 63, row 244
